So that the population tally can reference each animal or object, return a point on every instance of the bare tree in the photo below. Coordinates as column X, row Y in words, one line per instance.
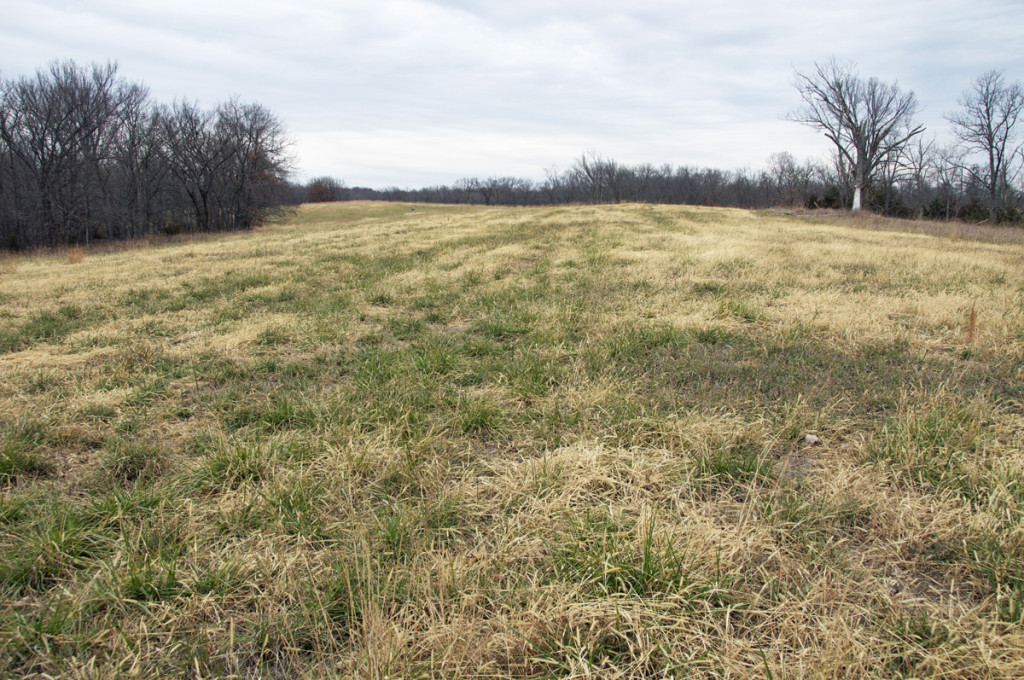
column 585, row 173
column 986, row 124
column 867, row 120
column 326, row 189
column 258, row 161
column 138, row 173
column 950, row 181
column 487, row 188
column 919, row 162
column 790, row 180
column 603, row 179
column 195, row 155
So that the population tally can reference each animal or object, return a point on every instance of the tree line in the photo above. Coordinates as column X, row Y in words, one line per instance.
column 880, row 160
column 86, row 155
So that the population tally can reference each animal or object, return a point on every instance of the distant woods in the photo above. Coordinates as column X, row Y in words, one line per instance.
column 923, row 180
column 880, row 160
column 86, row 155
column 928, row 182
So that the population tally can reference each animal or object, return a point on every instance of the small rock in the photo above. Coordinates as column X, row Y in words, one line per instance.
column 810, row 439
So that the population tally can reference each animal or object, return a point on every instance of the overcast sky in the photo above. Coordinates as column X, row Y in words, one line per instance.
column 417, row 92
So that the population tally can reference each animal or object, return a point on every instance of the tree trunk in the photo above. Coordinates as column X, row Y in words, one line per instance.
column 856, row 199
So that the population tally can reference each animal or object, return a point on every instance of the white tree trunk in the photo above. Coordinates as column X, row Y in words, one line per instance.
column 856, row 199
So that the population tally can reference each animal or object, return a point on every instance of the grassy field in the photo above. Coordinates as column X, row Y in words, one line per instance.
column 402, row 441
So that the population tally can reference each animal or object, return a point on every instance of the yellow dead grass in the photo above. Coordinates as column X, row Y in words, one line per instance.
column 49, row 357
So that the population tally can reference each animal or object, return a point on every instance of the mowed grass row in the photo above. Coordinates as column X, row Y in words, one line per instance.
column 386, row 440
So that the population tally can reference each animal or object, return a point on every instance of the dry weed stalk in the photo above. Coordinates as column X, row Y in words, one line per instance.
column 972, row 319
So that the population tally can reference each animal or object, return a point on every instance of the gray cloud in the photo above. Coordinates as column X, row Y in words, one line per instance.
column 413, row 92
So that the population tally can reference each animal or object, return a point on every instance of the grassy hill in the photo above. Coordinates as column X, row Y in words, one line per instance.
column 432, row 441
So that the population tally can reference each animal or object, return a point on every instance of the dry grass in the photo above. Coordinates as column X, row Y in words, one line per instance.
column 952, row 229
column 383, row 440
column 75, row 255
